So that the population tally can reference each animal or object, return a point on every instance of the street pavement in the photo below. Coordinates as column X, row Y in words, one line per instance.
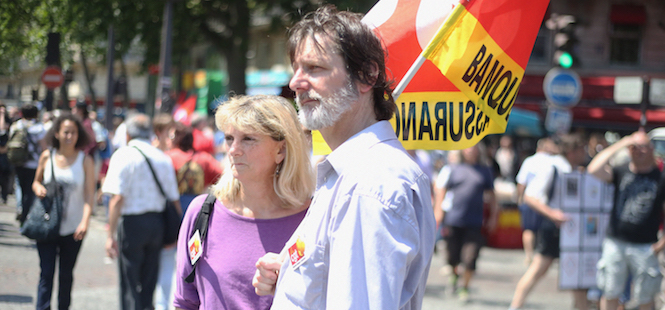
column 96, row 282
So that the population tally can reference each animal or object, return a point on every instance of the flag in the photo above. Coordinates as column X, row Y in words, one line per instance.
column 471, row 65
column 487, row 67
column 406, row 27
column 459, row 64
column 185, row 108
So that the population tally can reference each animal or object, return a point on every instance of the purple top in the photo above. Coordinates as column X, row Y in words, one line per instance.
column 226, row 268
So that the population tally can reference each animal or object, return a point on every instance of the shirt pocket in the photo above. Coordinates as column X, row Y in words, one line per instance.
column 312, row 279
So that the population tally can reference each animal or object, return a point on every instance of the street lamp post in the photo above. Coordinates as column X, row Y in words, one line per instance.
column 110, row 51
column 163, row 100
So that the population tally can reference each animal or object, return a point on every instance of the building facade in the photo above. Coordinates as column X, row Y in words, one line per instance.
column 614, row 38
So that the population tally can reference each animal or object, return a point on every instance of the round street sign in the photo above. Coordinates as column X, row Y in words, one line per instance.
column 52, row 77
column 562, row 87
column 558, row 120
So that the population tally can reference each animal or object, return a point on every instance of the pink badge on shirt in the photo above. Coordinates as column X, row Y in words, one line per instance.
column 297, row 253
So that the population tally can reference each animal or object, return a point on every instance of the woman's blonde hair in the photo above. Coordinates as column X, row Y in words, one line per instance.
column 275, row 117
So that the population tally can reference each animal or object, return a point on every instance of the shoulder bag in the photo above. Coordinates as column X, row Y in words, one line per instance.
column 43, row 220
column 172, row 218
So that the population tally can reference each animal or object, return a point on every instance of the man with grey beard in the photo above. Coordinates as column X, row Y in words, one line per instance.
column 368, row 237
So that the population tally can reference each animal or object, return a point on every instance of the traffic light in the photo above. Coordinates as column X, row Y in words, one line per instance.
column 53, row 49
column 565, row 41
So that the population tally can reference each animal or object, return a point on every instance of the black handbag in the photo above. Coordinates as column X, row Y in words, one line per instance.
column 172, row 218
column 43, row 221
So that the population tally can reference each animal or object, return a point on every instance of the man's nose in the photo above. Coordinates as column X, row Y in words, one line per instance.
column 298, row 82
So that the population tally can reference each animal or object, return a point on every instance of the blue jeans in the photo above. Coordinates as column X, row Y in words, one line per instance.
column 185, row 200
column 18, row 195
column 68, row 249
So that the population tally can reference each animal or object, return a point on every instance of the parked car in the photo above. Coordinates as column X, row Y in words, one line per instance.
column 657, row 137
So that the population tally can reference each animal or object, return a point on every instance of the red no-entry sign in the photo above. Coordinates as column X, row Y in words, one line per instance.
column 52, row 77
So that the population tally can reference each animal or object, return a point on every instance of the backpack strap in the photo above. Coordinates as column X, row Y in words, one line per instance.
column 28, row 137
column 550, row 192
column 201, row 224
column 34, row 154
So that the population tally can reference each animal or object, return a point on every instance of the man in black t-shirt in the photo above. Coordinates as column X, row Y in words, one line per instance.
column 632, row 243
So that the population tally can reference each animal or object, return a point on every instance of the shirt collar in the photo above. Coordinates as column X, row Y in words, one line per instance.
column 360, row 143
column 138, row 142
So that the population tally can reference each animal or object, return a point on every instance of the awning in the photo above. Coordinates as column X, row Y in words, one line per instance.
column 609, row 118
column 524, row 123
column 628, row 14
column 266, row 82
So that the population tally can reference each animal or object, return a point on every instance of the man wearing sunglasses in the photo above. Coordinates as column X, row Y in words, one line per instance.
column 631, row 244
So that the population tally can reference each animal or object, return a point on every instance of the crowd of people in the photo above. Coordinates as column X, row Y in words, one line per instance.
column 628, row 268
column 263, row 227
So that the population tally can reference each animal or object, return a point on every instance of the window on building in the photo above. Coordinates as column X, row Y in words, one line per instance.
column 10, row 91
column 626, row 22
column 625, row 44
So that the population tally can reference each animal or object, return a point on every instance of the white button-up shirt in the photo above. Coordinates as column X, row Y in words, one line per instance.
column 530, row 167
column 130, row 177
column 541, row 184
column 369, row 233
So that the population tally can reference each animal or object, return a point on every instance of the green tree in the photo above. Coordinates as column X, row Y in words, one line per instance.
column 226, row 24
column 84, row 24
column 24, row 26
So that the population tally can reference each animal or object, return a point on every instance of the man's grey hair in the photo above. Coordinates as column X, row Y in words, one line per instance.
column 139, row 126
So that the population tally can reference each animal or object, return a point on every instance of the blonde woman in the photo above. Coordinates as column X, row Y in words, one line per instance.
column 260, row 200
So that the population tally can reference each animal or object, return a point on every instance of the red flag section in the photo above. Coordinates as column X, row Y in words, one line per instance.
column 467, row 74
column 404, row 38
column 184, row 110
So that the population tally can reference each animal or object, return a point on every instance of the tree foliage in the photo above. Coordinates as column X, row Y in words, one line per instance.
column 84, row 24
column 226, row 23
column 19, row 33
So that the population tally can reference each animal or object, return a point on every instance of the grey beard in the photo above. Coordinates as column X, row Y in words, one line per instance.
column 329, row 109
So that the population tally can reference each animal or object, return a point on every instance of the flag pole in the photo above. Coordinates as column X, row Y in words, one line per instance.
column 408, row 76
column 447, row 24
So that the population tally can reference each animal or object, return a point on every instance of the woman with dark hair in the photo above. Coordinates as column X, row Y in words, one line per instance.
column 74, row 172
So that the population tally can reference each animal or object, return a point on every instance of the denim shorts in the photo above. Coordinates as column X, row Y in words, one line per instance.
column 530, row 218
column 620, row 259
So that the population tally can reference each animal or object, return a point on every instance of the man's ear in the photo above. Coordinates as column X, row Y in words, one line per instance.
column 371, row 80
